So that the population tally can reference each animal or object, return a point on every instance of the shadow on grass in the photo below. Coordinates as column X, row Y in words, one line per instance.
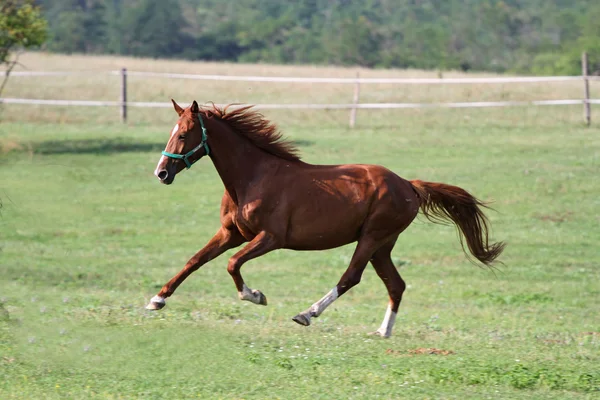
column 110, row 146
column 96, row 146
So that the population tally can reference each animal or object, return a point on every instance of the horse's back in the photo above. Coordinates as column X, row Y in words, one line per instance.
column 329, row 205
column 377, row 181
column 394, row 202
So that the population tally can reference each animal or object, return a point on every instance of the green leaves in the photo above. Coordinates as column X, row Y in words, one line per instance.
column 21, row 25
column 539, row 36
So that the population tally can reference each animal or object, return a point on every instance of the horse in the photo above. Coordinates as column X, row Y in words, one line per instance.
column 273, row 200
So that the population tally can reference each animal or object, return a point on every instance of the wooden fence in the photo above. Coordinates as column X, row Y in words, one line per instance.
column 123, row 104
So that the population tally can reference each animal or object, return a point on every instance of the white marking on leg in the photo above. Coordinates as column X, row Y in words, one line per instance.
column 320, row 306
column 385, row 330
column 254, row 296
column 246, row 293
column 316, row 309
column 157, row 299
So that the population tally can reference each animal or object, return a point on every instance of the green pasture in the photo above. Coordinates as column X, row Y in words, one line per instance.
column 88, row 235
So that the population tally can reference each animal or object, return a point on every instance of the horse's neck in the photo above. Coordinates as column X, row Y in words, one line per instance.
column 236, row 159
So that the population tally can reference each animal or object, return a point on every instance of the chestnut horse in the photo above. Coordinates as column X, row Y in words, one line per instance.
column 273, row 200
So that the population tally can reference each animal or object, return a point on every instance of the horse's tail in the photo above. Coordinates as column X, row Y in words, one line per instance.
column 441, row 203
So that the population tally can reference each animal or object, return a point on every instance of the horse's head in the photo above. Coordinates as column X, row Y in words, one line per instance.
column 186, row 145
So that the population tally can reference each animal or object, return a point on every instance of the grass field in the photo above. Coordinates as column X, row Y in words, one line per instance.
column 88, row 235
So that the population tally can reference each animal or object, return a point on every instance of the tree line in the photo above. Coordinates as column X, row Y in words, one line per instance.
column 525, row 36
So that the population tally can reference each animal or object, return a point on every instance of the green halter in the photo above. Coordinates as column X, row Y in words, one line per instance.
column 186, row 157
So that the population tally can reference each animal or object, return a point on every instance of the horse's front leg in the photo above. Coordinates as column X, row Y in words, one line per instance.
column 261, row 244
column 223, row 240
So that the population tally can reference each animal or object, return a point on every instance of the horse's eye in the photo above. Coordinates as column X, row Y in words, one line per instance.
column 181, row 137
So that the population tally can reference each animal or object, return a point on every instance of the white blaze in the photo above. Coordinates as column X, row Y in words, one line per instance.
column 163, row 158
column 157, row 165
column 175, row 129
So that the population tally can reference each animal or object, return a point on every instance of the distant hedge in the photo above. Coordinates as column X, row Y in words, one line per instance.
column 534, row 36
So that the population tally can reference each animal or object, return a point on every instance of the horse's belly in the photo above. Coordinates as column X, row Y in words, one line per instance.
column 319, row 243
column 309, row 231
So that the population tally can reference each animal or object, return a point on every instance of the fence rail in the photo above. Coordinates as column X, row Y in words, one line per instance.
column 123, row 104
column 142, row 104
column 291, row 79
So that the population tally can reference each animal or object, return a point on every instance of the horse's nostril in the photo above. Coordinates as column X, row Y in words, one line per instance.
column 163, row 174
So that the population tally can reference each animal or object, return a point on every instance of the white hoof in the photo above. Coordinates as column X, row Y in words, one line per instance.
column 156, row 303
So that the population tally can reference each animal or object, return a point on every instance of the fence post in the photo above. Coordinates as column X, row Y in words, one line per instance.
column 355, row 101
column 123, row 95
column 587, row 110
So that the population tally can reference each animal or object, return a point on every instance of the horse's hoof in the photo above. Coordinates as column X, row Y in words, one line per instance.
column 301, row 319
column 377, row 333
column 155, row 306
column 262, row 299
column 156, row 303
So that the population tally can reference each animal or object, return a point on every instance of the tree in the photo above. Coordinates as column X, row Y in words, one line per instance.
column 77, row 26
column 154, row 28
column 21, row 25
column 526, row 36
column 355, row 42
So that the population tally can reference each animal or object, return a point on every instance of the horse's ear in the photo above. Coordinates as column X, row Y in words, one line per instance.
column 194, row 108
column 178, row 109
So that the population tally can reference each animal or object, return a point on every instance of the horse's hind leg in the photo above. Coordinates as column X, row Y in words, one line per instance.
column 364, row 250
column 385, row 268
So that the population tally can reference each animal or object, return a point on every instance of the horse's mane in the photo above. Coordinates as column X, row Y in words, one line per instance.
column 255, row 127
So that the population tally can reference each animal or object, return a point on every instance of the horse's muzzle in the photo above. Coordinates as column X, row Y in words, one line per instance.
column 164, row 176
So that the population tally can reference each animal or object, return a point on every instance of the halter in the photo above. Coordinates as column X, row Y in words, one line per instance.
column 186, row 157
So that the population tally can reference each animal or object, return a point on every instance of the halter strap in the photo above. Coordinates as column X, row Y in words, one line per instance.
column 186, row 157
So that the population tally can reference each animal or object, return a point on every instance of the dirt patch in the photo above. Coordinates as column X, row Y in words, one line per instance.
column 6, row 146
column 418, row 351
column 562, row 217
column 554, row 341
